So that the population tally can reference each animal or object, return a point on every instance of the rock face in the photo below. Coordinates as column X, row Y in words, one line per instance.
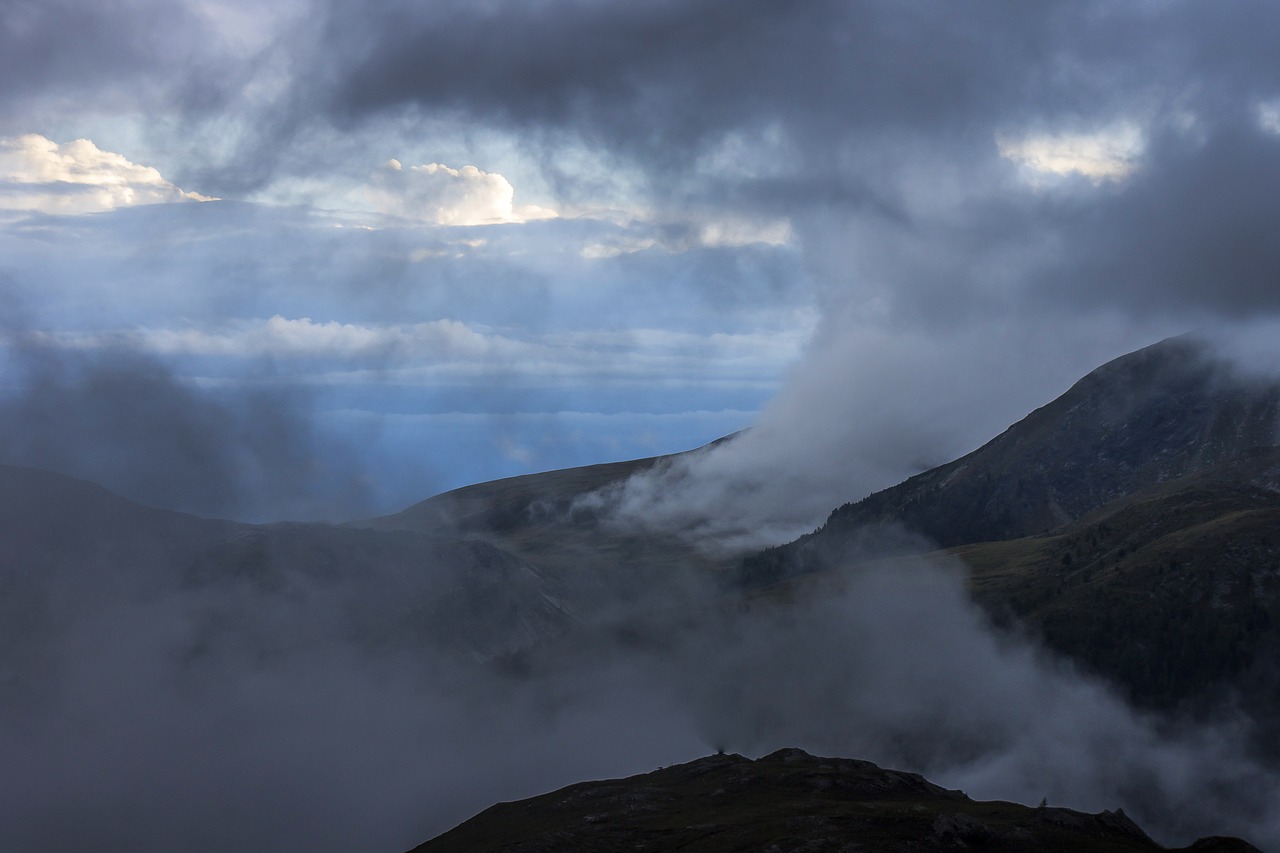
column 788, row 801
column 1147, row 418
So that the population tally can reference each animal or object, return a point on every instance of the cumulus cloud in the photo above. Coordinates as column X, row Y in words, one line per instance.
column 441, row 195
column 38, row 174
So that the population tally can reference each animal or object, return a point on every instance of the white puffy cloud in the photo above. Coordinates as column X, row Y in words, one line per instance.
column 38, row 174
column 1109, row 154
column 441, row 195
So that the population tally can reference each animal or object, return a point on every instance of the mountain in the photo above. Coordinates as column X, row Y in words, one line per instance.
column 789, row 801
column 1129, row 523
column 1143, row 419
column 1172, row 593
column 550, row 521
column 1133, row 524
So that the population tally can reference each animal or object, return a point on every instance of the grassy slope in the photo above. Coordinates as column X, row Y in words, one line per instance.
column 542, row 519
column 1172, row 592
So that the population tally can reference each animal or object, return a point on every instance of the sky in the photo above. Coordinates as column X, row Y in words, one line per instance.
column 395, row 250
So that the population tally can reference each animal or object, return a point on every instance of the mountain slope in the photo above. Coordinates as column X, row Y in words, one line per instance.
column 542, row 519
column 1172, row 594
column 788, row 801
column 1145, row 418
column 1132, row 524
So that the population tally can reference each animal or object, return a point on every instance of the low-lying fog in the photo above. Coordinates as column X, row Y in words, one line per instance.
column 293, row 702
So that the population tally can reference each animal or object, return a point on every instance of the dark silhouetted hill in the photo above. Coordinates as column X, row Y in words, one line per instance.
column 789, row 801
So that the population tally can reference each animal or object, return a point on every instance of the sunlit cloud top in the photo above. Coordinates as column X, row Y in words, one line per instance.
column 1110, row 154
column 38, row 174
column 440, row 195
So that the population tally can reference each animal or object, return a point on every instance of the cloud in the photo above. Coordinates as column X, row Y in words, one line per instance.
column 878, row 144
column 891, row 661
column 1105, row 155
column 689, row 233
column 279, row 337
column 1186, row 236
column 1269, row 115
column 868, row 406
column 313, row 694
column 123, row 419
column 38, row 174
column 450, row 351
column 440, row 195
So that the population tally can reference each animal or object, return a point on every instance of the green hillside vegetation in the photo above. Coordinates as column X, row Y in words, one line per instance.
column 1171, row 593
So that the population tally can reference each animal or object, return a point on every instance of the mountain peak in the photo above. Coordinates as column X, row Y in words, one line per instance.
column 1148, row 417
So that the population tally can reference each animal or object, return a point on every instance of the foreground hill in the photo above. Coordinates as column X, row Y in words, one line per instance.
column 789, row 801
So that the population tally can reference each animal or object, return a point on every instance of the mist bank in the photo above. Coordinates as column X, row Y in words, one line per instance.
column 179, row 682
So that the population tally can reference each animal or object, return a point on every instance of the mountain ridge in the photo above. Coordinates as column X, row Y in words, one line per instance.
column 1153, row 415
column 790, row 801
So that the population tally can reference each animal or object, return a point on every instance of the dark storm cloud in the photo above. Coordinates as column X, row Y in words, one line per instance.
column 847, row 112
column 865, row 103
column 710, row 64
column 73, row 49
column 1194, row 229
column 661, row 80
